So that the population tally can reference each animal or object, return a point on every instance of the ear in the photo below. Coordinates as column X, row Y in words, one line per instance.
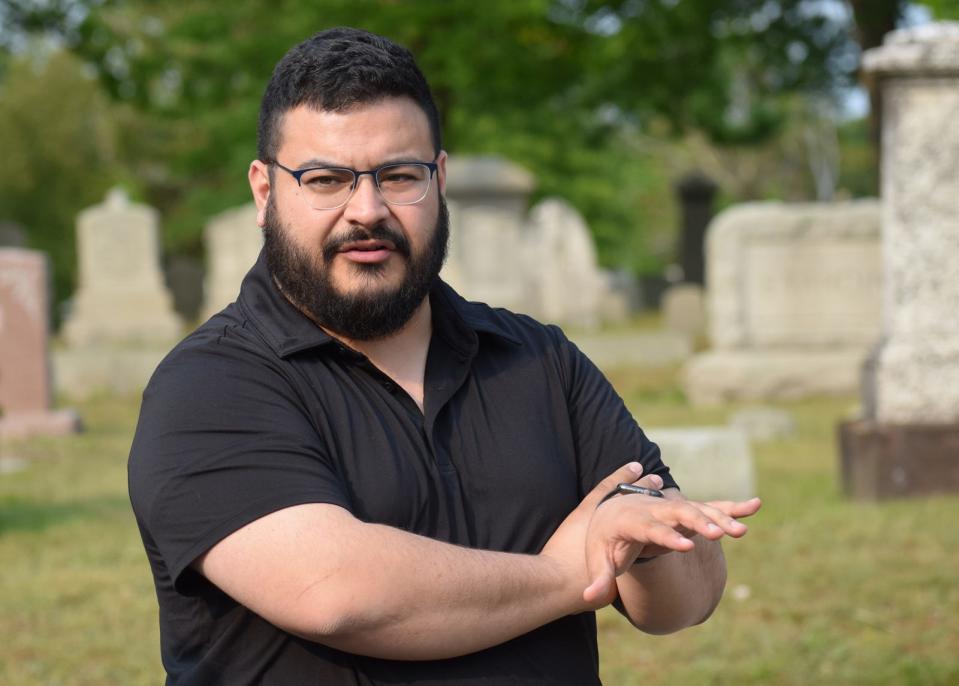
column 441, row 171
column 259, row 177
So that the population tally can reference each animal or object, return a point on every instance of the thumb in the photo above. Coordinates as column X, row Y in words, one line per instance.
column 628, row 473
column 600, row 588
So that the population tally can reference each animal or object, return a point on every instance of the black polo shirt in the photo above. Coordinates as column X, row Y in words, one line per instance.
column 260, row 410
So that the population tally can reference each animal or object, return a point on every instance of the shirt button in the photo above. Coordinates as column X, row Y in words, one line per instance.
column 390, row 386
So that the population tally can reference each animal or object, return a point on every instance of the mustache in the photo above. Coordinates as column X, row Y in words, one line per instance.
column 381, row 232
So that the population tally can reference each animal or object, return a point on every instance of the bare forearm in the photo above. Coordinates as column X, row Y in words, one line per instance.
column 401, row 596
column 674, row 591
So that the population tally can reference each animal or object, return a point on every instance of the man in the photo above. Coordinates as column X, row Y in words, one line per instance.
column 353, row 476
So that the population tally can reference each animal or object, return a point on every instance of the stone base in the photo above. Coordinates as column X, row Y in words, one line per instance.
column 757, row 374
column 881, row 461
column 49, row 423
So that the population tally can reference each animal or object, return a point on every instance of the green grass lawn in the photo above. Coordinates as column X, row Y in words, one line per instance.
column 827, row 591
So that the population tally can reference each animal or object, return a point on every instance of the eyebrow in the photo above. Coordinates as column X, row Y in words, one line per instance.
column 320, row 162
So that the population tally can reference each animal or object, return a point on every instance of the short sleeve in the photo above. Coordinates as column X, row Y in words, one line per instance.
column 605, row 433
column 222, row 440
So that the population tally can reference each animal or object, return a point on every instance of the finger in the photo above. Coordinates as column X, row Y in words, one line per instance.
column 628, row 473
column 651, row 481
column 737, row 508
column 698, row 518
column 658, row 533
column 722, row 521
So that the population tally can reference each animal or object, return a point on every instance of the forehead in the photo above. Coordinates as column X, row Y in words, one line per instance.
column 367, row 134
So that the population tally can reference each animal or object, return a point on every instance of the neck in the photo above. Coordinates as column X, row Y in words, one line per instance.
column 401, row 356
column 411, row 341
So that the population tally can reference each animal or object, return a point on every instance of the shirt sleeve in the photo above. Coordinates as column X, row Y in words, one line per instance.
column 223, row 439
column 605, row 433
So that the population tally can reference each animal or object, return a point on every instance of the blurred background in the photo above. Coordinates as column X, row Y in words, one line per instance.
column 606, row 103
column 646, row 119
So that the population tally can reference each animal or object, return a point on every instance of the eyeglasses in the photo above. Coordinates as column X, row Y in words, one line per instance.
column 329, row 188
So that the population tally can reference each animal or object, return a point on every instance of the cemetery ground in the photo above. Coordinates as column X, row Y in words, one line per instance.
column 821, row 591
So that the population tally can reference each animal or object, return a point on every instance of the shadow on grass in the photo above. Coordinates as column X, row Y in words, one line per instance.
column 29, row 515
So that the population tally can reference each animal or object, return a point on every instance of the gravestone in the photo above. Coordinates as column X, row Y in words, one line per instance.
column 764, row 423
column 489, row 198
column 793, row 301
column 567, row 283
column 25, row 389
column 541, row 262
column 684, row 309
column 908, row 442
column 708, row 463
column 121, row 296
column 233, row 241
column 122, row 321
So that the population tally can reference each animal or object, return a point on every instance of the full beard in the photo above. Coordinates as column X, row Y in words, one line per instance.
column 363, row 314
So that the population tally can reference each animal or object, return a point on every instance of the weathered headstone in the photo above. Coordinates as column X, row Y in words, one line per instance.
column 233, row 241
column 764, row 423
column 909, row 441
column 684, row 309
column 121, row 296
column 793, row 301
column 541, row 262
column 567, row 283
column 490, row 197
column 25, row 391
column 709, row 463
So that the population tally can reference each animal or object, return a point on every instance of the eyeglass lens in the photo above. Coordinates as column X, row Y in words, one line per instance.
column 399, row 184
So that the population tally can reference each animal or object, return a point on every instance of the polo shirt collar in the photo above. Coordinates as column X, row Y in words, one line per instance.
column 476, row 317
column 285, row 329
column 288, row 331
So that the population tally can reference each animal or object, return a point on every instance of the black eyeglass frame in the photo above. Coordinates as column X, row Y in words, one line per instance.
column 357, row 174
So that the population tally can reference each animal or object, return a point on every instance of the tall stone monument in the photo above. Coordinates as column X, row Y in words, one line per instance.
column 563, row 268
column 908, row 440
column 540, row 261
column 25, row 389
column 122, row 321
column 489, row 198
column 233, row 241
column 121, row 296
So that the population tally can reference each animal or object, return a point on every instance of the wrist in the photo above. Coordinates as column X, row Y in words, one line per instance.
column 564, row 583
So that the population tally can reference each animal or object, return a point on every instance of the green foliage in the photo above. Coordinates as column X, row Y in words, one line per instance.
column 563, row 87
column 943, row 9
column 58, row 134
column 859, row 172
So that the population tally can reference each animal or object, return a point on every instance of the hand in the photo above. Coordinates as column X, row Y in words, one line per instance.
column 567, row 544
column 629, row 526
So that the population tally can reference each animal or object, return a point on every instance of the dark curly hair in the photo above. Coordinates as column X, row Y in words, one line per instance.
column 336, row 70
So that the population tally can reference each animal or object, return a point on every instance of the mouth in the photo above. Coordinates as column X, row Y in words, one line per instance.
column 368, row 251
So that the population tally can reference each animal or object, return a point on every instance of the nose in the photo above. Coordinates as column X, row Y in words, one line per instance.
column 366, row 205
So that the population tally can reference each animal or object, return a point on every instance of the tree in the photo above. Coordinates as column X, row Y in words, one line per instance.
column 558, row 85
column 56, row 161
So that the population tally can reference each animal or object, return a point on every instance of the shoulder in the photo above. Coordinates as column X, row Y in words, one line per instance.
column 227, row 341
column 519, row 330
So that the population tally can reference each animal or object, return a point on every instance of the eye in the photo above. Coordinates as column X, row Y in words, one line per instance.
column 327, row 179
column 402, row 174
